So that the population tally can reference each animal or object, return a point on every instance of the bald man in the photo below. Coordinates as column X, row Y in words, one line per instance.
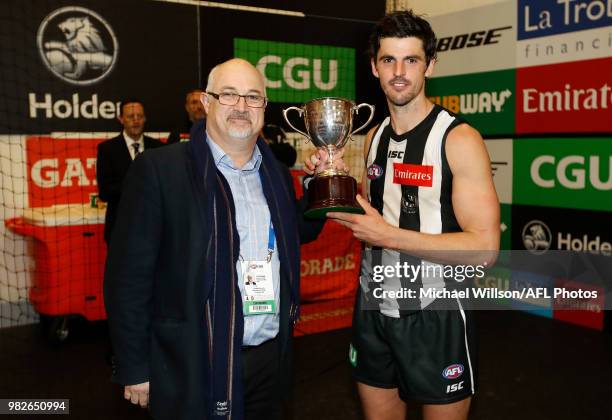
column 202, row 280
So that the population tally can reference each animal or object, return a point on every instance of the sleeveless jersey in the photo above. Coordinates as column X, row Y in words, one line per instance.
column 409, row 182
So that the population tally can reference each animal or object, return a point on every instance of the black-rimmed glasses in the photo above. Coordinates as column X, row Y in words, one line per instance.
column 231, row 99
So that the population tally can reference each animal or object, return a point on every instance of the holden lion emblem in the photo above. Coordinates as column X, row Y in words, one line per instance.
column 77, row 45
column 536, row 237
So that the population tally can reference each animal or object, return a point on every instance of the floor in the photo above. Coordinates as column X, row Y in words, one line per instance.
column 531, row 368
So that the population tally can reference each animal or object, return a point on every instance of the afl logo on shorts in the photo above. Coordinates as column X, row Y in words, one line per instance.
column 453, row 371
column 374, row 172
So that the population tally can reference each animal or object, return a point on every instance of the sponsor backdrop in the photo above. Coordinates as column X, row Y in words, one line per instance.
column 534, row 76
column 65, row 66
column 539, row 74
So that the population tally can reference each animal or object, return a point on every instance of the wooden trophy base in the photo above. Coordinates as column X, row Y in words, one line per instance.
column 332, row 193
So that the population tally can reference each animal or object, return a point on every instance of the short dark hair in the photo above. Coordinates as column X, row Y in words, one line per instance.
column 403, row 24
column 127, row 102
column 188, row 94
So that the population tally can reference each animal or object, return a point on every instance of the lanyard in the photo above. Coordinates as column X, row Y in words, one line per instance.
column 271, row 241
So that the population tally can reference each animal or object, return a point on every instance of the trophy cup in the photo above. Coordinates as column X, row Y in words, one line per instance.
column 328, row 124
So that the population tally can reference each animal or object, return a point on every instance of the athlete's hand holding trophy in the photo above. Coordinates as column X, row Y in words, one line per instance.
column 329, row 122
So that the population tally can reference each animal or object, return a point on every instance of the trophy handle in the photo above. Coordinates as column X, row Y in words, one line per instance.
column 356, row 111
column 301, row 112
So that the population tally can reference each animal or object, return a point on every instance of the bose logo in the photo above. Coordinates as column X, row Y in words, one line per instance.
column 475, row 39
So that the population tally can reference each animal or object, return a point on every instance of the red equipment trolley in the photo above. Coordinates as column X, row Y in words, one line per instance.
column 69, row 251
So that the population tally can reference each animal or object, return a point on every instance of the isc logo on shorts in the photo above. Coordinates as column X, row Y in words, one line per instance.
column 409, row 174
column 454, row 387
column 453, row 371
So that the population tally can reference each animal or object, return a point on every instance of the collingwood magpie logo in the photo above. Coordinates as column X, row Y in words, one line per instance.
column 536, row 237
column 77, row 45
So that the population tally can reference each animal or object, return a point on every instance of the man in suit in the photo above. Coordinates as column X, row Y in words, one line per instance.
column 116, row 155
column 195, row 112
column 190, row 339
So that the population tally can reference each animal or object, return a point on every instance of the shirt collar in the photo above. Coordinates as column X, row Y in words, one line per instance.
column 222, row 158
column 130, row 140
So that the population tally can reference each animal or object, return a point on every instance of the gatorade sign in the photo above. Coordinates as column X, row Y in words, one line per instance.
column 60, row 171
column 300, row 72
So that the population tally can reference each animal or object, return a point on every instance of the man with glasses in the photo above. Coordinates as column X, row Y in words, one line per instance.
column 188, row 327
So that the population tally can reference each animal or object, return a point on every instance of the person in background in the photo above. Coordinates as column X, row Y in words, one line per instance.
column 115, row 157
column 276, row 139
column 195, row 112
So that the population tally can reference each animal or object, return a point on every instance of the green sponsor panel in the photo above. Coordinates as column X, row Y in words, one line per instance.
column 485, row 100
column 300, row 72
column 563, row 172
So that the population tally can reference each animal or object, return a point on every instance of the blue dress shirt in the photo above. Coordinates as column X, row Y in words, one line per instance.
column 253, row 223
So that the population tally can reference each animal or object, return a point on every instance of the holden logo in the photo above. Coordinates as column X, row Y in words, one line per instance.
column 77, row 45
column 536, row 237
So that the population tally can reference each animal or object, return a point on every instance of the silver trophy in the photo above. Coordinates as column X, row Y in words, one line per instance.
column 329, row 123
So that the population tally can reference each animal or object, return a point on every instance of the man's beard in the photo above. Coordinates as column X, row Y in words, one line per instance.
column 405, row 98
column 240, row 133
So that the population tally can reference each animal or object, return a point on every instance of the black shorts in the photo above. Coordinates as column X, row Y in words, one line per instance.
column 430, row 355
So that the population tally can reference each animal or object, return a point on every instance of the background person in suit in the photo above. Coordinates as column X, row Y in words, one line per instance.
column 116, row 155
column 195, row 112
column 194, row 218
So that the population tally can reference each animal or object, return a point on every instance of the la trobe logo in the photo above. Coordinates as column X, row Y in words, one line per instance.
column 77, row 45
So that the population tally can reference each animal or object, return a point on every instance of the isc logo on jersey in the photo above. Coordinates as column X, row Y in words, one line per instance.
column 410, row 174
column 395, row 154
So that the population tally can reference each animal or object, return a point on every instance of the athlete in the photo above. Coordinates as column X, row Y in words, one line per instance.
column 427, row 191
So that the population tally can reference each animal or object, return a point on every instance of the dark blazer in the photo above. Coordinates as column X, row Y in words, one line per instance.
column 112, row 165
column 154, row 286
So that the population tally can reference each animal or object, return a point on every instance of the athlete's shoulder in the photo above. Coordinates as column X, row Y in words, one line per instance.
column 457, row 119
column 372, row 133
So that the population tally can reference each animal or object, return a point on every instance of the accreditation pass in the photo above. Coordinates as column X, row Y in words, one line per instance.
column 258, row 296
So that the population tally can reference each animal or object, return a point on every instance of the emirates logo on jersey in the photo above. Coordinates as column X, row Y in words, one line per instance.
column 409, row 174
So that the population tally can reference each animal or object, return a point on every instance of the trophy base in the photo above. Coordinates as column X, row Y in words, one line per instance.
column 332, row 193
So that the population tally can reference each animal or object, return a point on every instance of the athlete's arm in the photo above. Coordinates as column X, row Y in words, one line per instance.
column 475, row 205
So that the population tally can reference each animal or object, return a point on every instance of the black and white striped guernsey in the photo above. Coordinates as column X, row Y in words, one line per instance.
column 409, row 182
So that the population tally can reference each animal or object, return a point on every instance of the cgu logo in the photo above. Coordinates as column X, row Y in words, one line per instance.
column 473, row 103
column 298, row 72
column 575, row 165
